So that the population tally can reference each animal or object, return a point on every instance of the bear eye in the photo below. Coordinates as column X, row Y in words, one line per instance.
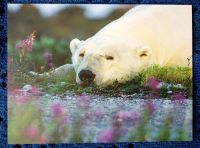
column 81, row 55
column 144, row 54
column 109, row 58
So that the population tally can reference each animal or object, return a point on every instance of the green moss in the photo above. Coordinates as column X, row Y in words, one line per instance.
column 176, row 75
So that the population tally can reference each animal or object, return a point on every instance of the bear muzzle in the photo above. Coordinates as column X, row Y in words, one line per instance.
column 86, row 76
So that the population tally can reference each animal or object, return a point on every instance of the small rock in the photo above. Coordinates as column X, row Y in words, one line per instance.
column 47, row 95
column 169, row 92
column 27, row 88
column 169, row 86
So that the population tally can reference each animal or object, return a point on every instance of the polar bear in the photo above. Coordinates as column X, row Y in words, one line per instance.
column 146, row 35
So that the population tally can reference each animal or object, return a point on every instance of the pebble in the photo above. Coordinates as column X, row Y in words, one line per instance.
column 26, row 88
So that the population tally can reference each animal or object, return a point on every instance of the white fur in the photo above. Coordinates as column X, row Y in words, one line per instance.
column 162, row 32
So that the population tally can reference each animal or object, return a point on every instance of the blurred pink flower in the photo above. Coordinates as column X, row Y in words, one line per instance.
column 22, row 98
column 128, row 115
column 58, row 110
column 83, row 101
column 31, row 132
column 43, row 139
column 154, row 84
column 66, row 119
column 150, row 106
column 36, row 91
column 178, row 96
column 136, row 115
column 26, row 44
column 48, row 56
column 106, row 136
column 17, row 46
column 51, row 65
column 124, row 115
column 99, row 112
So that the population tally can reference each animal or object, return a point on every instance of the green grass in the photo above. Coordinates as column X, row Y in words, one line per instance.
column 174, row 75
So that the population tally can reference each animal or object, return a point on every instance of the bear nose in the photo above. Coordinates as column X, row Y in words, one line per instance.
column 86, row 76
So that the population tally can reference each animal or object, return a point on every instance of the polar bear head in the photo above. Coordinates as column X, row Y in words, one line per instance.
column 102, row 61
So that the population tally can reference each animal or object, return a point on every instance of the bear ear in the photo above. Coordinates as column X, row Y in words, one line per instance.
column 74, row 44
column 144, row 52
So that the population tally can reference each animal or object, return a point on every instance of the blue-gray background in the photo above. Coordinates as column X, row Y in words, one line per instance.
column 196, row 63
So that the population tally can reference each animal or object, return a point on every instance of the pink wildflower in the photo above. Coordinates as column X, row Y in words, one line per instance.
column 136, row 116
column 83, row 101
column 58, row 110
column 22, row 98
column 48, row 56
column 154, row 84
column 99, row 112
column 150, row 106
column 31, row 132
column 17, row 46
column 106, row 136
column 66, row 119
column 26, row 44
column 127, row 115
column 51, row 65
column 178, row 96
column 36, row 91
column 124, row 115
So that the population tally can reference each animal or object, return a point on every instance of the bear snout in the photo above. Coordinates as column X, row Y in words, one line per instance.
column 86, row 76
